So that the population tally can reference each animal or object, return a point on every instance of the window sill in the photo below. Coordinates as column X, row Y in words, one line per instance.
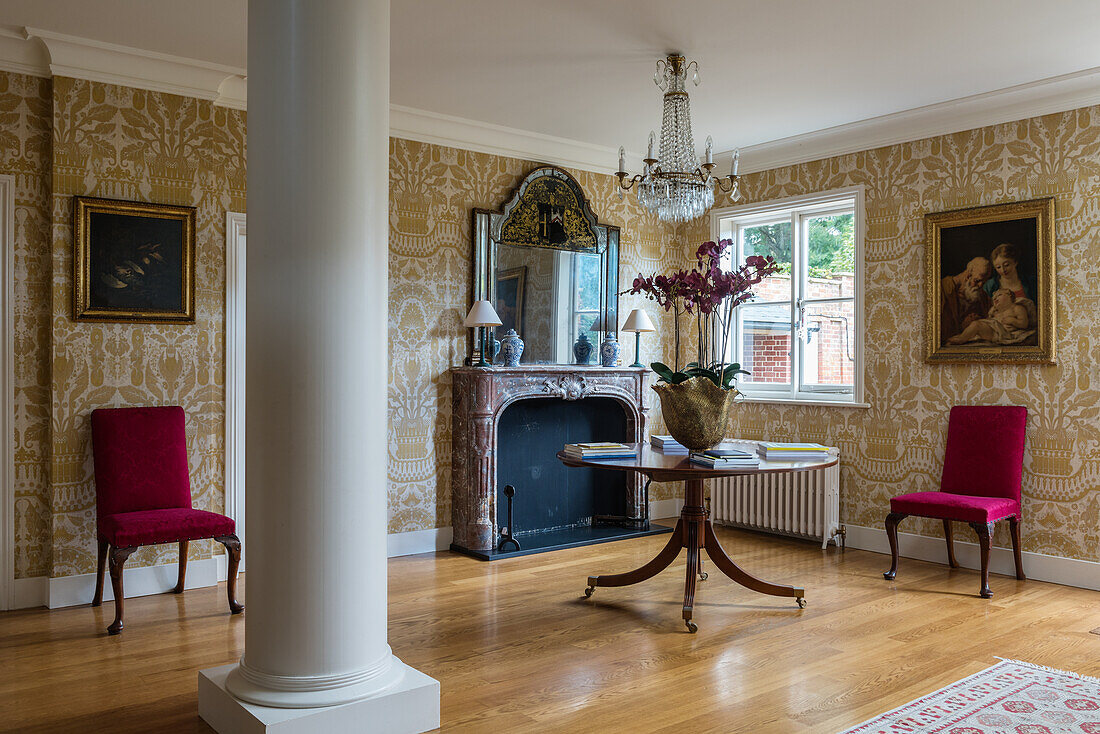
column 803, row 401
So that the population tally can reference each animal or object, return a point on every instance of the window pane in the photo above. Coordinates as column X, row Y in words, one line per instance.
column 766, row 344
column 829, row 354
column 831, row 246
column 588, row 280
column 583, row 323
column 773, row 240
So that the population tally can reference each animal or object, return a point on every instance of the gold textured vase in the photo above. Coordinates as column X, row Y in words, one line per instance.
column 696, row 411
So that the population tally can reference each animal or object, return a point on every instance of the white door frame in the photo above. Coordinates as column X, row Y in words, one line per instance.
column 235, row 247
column 7, row 393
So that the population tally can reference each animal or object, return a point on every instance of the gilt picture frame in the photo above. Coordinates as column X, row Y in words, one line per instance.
column 510, row 299
column 990, row 284
column 133, row 262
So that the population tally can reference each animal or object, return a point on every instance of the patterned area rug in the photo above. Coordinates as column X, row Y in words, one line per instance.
column 1009, row 698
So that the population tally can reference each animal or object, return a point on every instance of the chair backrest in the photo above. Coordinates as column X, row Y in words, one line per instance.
column 140, row 459
column 985, row 451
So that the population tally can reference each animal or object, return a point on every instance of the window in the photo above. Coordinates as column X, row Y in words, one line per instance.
column 576, row 302
column 586, row 292
column 801, row 337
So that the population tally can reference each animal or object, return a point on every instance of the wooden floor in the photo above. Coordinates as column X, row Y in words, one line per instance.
column 517, row 649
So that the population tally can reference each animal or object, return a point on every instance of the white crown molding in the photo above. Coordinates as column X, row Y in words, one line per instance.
column 21, row 56
column 483, row 137
column 1043, row 97
column 45, row 53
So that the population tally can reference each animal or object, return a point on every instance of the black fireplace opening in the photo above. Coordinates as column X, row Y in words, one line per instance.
column 555, row 506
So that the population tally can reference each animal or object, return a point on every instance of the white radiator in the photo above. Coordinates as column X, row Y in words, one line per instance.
column 803, row 504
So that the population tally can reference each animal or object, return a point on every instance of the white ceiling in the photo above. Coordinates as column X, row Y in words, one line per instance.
column 582, row 69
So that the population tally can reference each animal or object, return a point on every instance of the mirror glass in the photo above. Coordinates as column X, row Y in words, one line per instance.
column 557, row 292
column 549, row 297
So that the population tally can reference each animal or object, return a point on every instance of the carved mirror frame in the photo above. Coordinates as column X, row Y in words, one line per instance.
column 515, row 225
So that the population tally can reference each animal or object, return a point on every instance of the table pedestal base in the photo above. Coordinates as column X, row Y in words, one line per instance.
column 694, row 531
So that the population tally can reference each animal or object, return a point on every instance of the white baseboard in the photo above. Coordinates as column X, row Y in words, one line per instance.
column 665, row 508
column 419, row 541
column 1037, row 566
column 30, row 592
column 69, row 591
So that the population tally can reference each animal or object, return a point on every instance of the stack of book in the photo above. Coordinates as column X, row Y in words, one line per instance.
column 667, row 444
column 601, row 450
column 725, row 457
column 772, row 451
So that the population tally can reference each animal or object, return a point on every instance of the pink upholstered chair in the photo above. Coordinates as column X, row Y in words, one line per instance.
column 982, row 469
column 143, row 496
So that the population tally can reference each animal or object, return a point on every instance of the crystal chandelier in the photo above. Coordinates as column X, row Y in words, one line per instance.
column 674, row 186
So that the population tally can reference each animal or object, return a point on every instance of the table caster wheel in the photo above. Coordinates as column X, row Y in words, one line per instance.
column 588, row 591
column 692, row 627
column 801, row 602
column 703, row 576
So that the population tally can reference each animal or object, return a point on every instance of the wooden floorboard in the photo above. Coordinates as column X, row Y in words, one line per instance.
column 517, row 648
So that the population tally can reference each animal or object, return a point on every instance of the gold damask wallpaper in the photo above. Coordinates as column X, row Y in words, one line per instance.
column 25, row 109
column 70, row 137
column 432, row 190
column 897, row 445
column 66, row 137
column 122, row 143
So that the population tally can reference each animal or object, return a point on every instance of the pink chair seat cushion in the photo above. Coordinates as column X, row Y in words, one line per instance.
column 148, row 527
column 961, row 507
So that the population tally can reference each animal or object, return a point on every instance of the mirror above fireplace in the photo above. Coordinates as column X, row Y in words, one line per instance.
column 550, row 269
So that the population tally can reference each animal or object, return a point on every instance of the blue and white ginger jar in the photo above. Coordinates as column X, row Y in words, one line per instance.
column 511, row 348
column 609, row 351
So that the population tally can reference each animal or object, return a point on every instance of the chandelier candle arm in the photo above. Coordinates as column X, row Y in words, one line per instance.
column 673, row 184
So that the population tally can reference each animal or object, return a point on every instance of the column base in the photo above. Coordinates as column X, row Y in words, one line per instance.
column 410, row 707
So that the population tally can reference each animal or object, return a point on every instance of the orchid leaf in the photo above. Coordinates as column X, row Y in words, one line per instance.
column 663, row 371
column 730, row 373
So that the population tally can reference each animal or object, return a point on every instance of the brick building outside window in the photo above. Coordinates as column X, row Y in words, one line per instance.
column 815, row 299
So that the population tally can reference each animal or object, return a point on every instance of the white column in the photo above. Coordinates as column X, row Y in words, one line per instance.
column 318, row 158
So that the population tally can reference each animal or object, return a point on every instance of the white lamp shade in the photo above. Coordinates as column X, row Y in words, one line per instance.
column 638, row 320
column 597, row 325
column 482, row 313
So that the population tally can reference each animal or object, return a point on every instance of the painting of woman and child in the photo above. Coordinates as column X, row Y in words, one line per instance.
column 991, row 294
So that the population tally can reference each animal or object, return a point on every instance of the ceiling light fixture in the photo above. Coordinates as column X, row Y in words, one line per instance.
column 675, row 186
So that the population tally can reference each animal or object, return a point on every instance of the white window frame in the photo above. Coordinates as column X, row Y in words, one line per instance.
column 797, row 209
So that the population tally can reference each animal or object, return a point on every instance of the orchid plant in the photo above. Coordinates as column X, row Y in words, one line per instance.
column 710, row 294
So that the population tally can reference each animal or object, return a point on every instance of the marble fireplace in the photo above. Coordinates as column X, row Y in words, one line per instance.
column 509, row 424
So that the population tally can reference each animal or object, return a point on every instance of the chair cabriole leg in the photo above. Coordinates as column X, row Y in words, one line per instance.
column 183, row 568
column 117, row 558
column 892, row 521
column 100, row 572
column 984, row 531
column 1014, row 528
column 233, row 549
column 949, row 535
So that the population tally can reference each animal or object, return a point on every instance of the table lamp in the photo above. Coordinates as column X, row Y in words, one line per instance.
column 482, row 314
column 638, row 321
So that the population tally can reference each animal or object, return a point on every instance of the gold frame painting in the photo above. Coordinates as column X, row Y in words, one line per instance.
column 990, row 284
column 133, row 262
column 510, row 310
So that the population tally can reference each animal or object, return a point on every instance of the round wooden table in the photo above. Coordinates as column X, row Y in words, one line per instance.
column 693, row 529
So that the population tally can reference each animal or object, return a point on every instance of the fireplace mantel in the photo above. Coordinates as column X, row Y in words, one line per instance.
column 480, row 395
